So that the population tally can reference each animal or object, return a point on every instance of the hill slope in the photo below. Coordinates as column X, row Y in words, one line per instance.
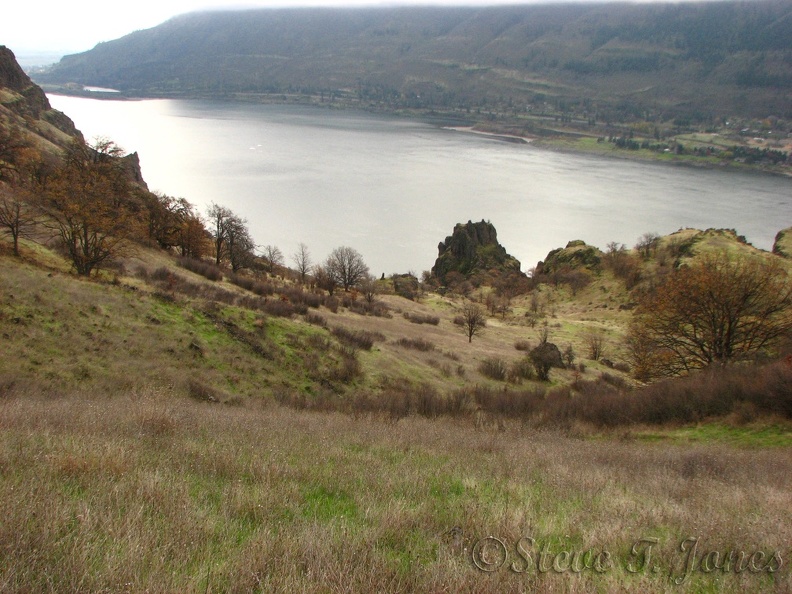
column 692, row 60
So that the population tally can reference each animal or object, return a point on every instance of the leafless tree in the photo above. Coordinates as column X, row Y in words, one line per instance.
column 369, row 288
column 240, row 246
column 595, row 341
column 15, row 215
column 324, row 280
column 273, row 258
column 474, row 319
column 647, row 244
column 346, row 267
column 219, row 220
column 302, row 261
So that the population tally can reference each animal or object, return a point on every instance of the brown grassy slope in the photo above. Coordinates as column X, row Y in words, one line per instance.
column 146, row 491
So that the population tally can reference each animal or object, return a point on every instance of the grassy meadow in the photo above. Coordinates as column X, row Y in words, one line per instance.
column 161, row 432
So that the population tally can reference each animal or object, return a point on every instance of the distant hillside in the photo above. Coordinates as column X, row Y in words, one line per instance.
column 610, row 61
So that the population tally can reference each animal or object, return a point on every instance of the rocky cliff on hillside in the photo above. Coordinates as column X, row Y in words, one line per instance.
column 25, row 103
column 472, row 248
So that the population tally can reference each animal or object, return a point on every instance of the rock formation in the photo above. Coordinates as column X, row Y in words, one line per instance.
column 472, row 248
column 577, row 254
column 25, row 103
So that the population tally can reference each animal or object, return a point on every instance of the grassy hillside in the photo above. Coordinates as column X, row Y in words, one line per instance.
column 146, row 445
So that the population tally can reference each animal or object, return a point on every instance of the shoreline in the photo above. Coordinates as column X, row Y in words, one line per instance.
column 563, row 141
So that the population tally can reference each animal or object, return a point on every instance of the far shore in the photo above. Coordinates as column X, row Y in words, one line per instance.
column 569, row 141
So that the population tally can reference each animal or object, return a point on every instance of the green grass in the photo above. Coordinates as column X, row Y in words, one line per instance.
column 765, row 436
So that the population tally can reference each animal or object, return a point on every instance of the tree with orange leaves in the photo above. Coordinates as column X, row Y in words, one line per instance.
column 88, row 203
column 712, row 311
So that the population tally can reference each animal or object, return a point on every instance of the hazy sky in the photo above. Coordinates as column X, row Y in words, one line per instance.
column 70, row 26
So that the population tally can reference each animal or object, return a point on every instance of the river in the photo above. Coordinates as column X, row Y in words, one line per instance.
column 393, row 188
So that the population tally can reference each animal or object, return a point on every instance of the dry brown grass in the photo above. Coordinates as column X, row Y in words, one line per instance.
column 148, row 491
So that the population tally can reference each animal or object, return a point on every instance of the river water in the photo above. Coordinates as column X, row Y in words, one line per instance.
column 393, row 188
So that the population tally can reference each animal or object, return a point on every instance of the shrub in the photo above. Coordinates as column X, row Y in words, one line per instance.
column 419, row 344
column 522, row 345
column 416, row 318
column 362, row 339
column 316, row 319
column 493, row 368
column 519, row 370
column 205, row 269
column 280, row 308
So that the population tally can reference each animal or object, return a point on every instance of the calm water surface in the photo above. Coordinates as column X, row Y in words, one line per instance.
column 394, row 188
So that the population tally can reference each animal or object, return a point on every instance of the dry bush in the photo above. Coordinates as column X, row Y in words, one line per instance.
column 419, row 344
column 519, row 370
column 522, row 345
column 263, row 289
column 279, row 308
column 205, row 269
column 202, row 391
column 368, row 308
column 417, row 318
column 494, row 368
column 361, row 339
column 316, row 319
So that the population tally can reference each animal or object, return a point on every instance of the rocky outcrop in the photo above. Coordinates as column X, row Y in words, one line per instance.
column 472, row 248
column 783, row 243
column 25, row 100
column 576, row 255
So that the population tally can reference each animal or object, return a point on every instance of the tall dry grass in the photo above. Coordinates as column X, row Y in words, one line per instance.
column 152, row 491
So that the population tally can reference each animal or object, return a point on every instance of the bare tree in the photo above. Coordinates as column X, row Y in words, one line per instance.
column 239, row 244
column 474, row 319
column 370, row 288
column 219, row 218
column 346, row 266
column 302, row 261
column 14, row 215
column 273, row 258
column 324, row 280
column 647, row 244
column 595, row 341
column 231, row 237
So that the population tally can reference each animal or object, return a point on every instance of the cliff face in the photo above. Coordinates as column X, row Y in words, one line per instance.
column 473, row 247
column 25, row 104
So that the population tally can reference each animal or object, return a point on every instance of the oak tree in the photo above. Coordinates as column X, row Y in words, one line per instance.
column 712, row 311
column 346, row 267
column 86, row 201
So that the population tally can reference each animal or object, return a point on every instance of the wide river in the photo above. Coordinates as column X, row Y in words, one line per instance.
column 393, row 188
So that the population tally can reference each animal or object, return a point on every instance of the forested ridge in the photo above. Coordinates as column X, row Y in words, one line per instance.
column 602, row 61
